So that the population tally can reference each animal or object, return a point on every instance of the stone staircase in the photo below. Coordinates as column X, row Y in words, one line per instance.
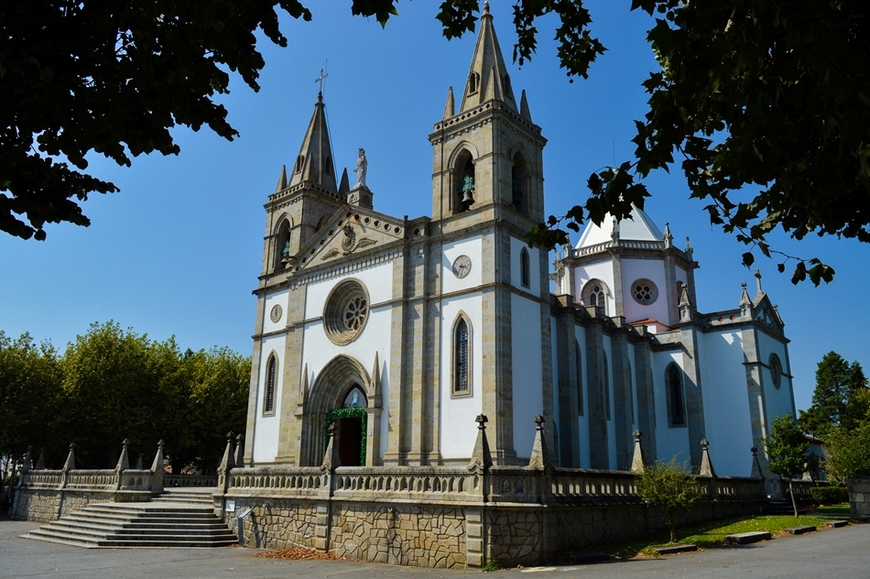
column 177, row 518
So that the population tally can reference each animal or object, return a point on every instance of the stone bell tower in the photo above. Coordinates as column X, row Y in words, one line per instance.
column 487, row 193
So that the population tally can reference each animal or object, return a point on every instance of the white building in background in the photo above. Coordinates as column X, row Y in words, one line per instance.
column 403, row 331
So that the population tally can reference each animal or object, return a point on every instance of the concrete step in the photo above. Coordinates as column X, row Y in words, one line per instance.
column 151, row 524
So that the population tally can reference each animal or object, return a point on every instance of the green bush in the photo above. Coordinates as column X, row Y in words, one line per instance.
column 832, row 495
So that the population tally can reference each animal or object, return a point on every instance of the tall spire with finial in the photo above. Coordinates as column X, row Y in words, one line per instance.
column 488, row 77
column 314, row 163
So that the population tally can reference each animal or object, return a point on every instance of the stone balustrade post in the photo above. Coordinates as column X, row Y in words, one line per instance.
column 123, row 464
column 157, row 470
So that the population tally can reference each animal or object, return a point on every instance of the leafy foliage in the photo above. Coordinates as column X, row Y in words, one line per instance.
column 669, row 487
column 841, row 397
column 786, row 450
column 849, row 452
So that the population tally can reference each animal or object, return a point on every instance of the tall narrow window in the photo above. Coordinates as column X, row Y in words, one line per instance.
column 595, row 294
column 461, row 358
column 519, row 183
column 464, row 182
column 606, row 388
column 282, row 245
column 525, row 268
column 578, row 368
column 271, row 380
column 674, row 393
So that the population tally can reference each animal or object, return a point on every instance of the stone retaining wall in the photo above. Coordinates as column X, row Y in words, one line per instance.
column 859, row 495
column 45, row 505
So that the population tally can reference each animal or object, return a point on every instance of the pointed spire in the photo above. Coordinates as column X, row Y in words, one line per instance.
column 706, row 463
column 376, row 376
column 637, row 464
column 757, row 471
column 139, row 462
column 758, row 290
column 450, row 107
column 27, row 462
column 745, row 303
column 282, row 180
column 303, row 386
column 227, row 462
column 524, row 107
column 124, row 459
column 344, row 185
column 40, row 462
column 314, row 162
column 685, row 305
column 689, row 249
column 487, row 68
column 668, row 238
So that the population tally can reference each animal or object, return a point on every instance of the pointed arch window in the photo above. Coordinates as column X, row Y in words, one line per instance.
column 606, row 382
column 300, row 162
column 473, row 83
column 271, row 383
column 282, row 245
column 675, row 396
column 578, row 368
column 525, row 268
column 464, row 182
column 520, row 183
column 595, row 294
column 462, row 357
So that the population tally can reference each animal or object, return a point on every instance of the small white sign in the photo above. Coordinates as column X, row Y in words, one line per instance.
column 231, row 505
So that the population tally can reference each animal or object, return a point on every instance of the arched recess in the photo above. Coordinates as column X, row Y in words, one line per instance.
column 595, row 293
column 520, row 182
column 462, row 165
column 270, row 385
column 329, row 391
column 525, row 269
column 282, row 243
column 676, row 397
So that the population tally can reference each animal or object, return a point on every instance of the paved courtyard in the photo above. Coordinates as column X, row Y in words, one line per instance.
column 841, row 553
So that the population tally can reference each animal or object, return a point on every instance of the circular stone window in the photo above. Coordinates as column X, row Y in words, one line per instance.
column 346, row 312
column 775, row 371
column 644, row 292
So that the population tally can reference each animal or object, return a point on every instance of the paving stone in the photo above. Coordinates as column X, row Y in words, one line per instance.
column 836, row 524
column 673, row 549
column 801, row 530
column 746, row 538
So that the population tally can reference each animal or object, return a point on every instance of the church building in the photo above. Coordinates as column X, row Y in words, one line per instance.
column 401, row 331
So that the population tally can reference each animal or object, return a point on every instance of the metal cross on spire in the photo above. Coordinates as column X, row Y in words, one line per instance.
column 322, row 77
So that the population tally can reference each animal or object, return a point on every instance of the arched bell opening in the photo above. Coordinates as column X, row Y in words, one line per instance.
column 464, row 182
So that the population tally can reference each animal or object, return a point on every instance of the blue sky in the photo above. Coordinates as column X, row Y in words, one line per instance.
column 178, row 251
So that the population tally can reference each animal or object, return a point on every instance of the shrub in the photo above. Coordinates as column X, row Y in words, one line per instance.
column 832, row 495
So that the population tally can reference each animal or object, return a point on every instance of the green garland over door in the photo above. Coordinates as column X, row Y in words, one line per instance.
column 338, row 414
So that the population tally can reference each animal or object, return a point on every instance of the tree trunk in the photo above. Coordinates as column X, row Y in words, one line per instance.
column 793, row 502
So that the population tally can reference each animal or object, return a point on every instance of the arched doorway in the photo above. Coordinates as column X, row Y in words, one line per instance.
column 351, row 422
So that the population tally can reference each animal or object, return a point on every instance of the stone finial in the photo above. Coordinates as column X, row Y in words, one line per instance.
column 139, row 462
column 70, row 463
column 689, row 249
column 539, row 459
column 685, row 306
column 124, row 459
column 614, row 232
column 239, row 455
column 227, row 462
column 331, row 458
column 282, row 179
column 758, row 290
column 486, row 6
column 637, row 462
column 481, row 459
column 706, row 463
column 745, row 303
column 668, row 238
column 157, row 465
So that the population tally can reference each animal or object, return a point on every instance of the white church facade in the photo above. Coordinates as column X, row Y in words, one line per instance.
column 402, row 331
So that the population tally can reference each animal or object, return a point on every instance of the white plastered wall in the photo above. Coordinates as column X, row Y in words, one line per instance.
column 669, row 441
column 727, row 423
column 611, row 430
column 276, row 299
column 458, row 431
column 527, row 371
column 266, row 428
column 473, row 248
column 603, row 271
column 777, row 401
column 554, row 356
column 376, row 336
column 517, row 246
column 653, row 270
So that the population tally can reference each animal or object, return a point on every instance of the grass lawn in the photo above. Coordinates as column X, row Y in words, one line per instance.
column 713, row 533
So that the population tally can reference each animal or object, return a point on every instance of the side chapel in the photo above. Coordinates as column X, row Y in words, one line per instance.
column 401, row 331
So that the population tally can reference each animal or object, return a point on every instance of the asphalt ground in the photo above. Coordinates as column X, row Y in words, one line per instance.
column 833, row 553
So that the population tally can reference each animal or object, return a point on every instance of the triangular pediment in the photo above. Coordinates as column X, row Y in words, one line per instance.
column 351, row 231
column 766, row 314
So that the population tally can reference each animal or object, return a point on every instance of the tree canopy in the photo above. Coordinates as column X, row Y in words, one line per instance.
column 113, row 384
column 840, row 398
column 787, row 451
column 764, row 105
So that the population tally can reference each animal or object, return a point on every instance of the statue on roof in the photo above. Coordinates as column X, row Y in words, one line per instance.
column 360, row 170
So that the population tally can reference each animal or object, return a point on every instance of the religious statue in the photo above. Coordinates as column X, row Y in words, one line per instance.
column 360, row 170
